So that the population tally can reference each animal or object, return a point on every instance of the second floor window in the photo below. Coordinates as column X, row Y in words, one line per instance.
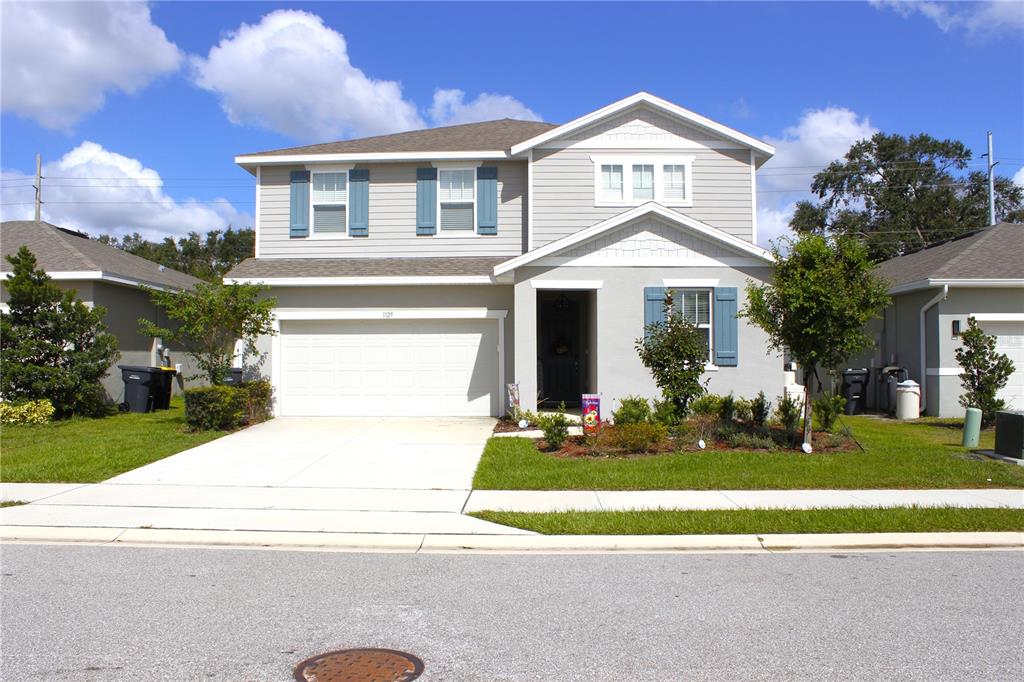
column 643, row 182
column 611, row 182
column 456, row 200
column 634, row 178
column 330, row 203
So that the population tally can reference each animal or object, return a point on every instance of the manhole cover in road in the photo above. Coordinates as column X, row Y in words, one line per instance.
column 360, row 665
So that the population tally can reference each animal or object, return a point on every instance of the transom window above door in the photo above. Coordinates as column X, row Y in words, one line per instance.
column 633, row 180
column 456, row 200
column 330, row 203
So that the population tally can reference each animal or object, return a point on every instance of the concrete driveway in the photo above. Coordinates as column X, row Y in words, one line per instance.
column 329, row 452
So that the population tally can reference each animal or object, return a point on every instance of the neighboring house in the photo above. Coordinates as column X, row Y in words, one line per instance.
column 100, row 275
column 419, row 273
column 935, row 290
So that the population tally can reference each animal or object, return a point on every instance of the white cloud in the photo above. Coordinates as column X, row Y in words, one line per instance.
column 99, row 191
column 450, row 108
column 60, row 59
column 979, row 21
column 1018, row 177
column 818, row 138
column 292, row 74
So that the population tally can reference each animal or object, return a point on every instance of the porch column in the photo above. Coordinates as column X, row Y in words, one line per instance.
column 526, row 344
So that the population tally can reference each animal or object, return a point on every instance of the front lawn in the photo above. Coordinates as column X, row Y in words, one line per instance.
column 763, row 521
column 81, row 450
column 925, row 454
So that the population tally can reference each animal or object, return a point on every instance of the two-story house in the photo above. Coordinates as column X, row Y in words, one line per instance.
column 419, row 273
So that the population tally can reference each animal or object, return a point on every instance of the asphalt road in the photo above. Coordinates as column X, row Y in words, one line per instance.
column 112, row 613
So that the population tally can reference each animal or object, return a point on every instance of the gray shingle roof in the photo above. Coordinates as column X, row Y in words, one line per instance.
column 995, row 252
column 265, row 268
column 59, row 250
column 485, row 136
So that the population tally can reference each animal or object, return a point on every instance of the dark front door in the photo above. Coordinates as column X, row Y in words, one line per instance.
column 559, row 347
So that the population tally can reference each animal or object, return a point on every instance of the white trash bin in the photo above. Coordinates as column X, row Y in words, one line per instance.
column 908, row 400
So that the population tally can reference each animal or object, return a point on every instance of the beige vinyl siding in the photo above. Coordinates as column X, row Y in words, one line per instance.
column 563, row 186
column 392, row 214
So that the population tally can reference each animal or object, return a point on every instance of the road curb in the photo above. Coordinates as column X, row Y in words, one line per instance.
column 374, row 542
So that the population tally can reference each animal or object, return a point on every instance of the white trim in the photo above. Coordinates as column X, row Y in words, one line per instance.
column 574, row 284
column 674, row 143
column 674, row 283
column 292, row 314
column 753, row 198
column 502, row 407
column 658, row 161
column 998, row 317
column 360, row 281
column 275, row 362
column 330, row 168
column 656, row 102
column 943, row 371
column 312, row 205
column 616, row 221
column 598, row 261
column 99, row 276
column 529, row 201
column 456, row 165
column 256, row 217
column 454, row 233
column 292, row 159
column 963, row 283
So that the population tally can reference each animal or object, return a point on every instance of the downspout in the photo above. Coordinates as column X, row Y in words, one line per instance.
column 941, row 296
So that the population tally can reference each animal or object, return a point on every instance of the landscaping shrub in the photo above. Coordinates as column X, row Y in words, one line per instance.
column 727, row 409
column 665, row 413
column 750, row 441
column 760, row 409
column 633, row 409
column 788, row 414
column 258, row 398
column 675, row 352
column 828, row 408
column 744, row 411
column 219, row 408
column 555, row 427
column 985, row 371
column 709, row 403
column 27, row 412
column 638, row 436
column 518, row 414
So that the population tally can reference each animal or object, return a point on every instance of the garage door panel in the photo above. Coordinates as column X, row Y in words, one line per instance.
column 1010, row 342
column 402, row 367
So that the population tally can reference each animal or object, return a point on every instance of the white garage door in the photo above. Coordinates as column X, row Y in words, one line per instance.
column 389, row 367
column 1010, row 341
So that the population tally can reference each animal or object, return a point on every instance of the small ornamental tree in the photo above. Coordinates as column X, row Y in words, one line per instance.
column 54, row 346
column 985, row 371
column 675, row 352
column 208, row 320
column 823, row 293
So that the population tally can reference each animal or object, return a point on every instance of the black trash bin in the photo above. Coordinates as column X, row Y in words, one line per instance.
column 162, row 396
column 855, row 386
column 233, row 377
column 140, row 386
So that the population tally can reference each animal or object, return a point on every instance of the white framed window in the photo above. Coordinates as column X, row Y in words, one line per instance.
column 329, row 203
column 631, row 179
column 695, row 307
column 456, row 200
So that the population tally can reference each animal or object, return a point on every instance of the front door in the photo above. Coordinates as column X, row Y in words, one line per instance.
column 559, row 347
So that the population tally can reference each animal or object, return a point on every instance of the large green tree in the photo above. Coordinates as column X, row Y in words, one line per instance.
column 210, row 318
column 823, row 294
column 898, row 194
column 54, row 346
column 207, row 257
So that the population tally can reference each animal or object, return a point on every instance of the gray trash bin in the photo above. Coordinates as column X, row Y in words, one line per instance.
column 233, row 377
column 854, row 389
column 140, row 386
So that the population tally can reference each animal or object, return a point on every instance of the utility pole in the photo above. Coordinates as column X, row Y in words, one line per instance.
column 991, row 183
column 39, row 187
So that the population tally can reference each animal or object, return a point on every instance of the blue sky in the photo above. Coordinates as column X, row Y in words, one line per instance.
column 139, row 127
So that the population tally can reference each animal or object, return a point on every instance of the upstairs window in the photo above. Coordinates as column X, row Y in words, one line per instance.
column 456, row 200
column 664, row 178
column 330, row 203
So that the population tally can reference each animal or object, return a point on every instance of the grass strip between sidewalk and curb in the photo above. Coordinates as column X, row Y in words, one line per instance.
column 763, row 521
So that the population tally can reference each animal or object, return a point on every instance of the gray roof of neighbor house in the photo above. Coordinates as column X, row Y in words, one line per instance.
column 61, row 250
column 280, row 268
column 995, row 252
column 485, row 136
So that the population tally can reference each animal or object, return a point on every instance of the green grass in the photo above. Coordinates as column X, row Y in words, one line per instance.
column 81, row 450
column 11, row 503
column 925, row 454
column 762, row 521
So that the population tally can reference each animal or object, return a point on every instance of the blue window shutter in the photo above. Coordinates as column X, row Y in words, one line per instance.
column 359, row 203
column 426, row 201
column 726, row 327
column 299, row 205
column 654, row 306
column 487, row 200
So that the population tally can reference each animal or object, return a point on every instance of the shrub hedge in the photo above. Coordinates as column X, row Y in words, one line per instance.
column 26, row 412
column 223, row 408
